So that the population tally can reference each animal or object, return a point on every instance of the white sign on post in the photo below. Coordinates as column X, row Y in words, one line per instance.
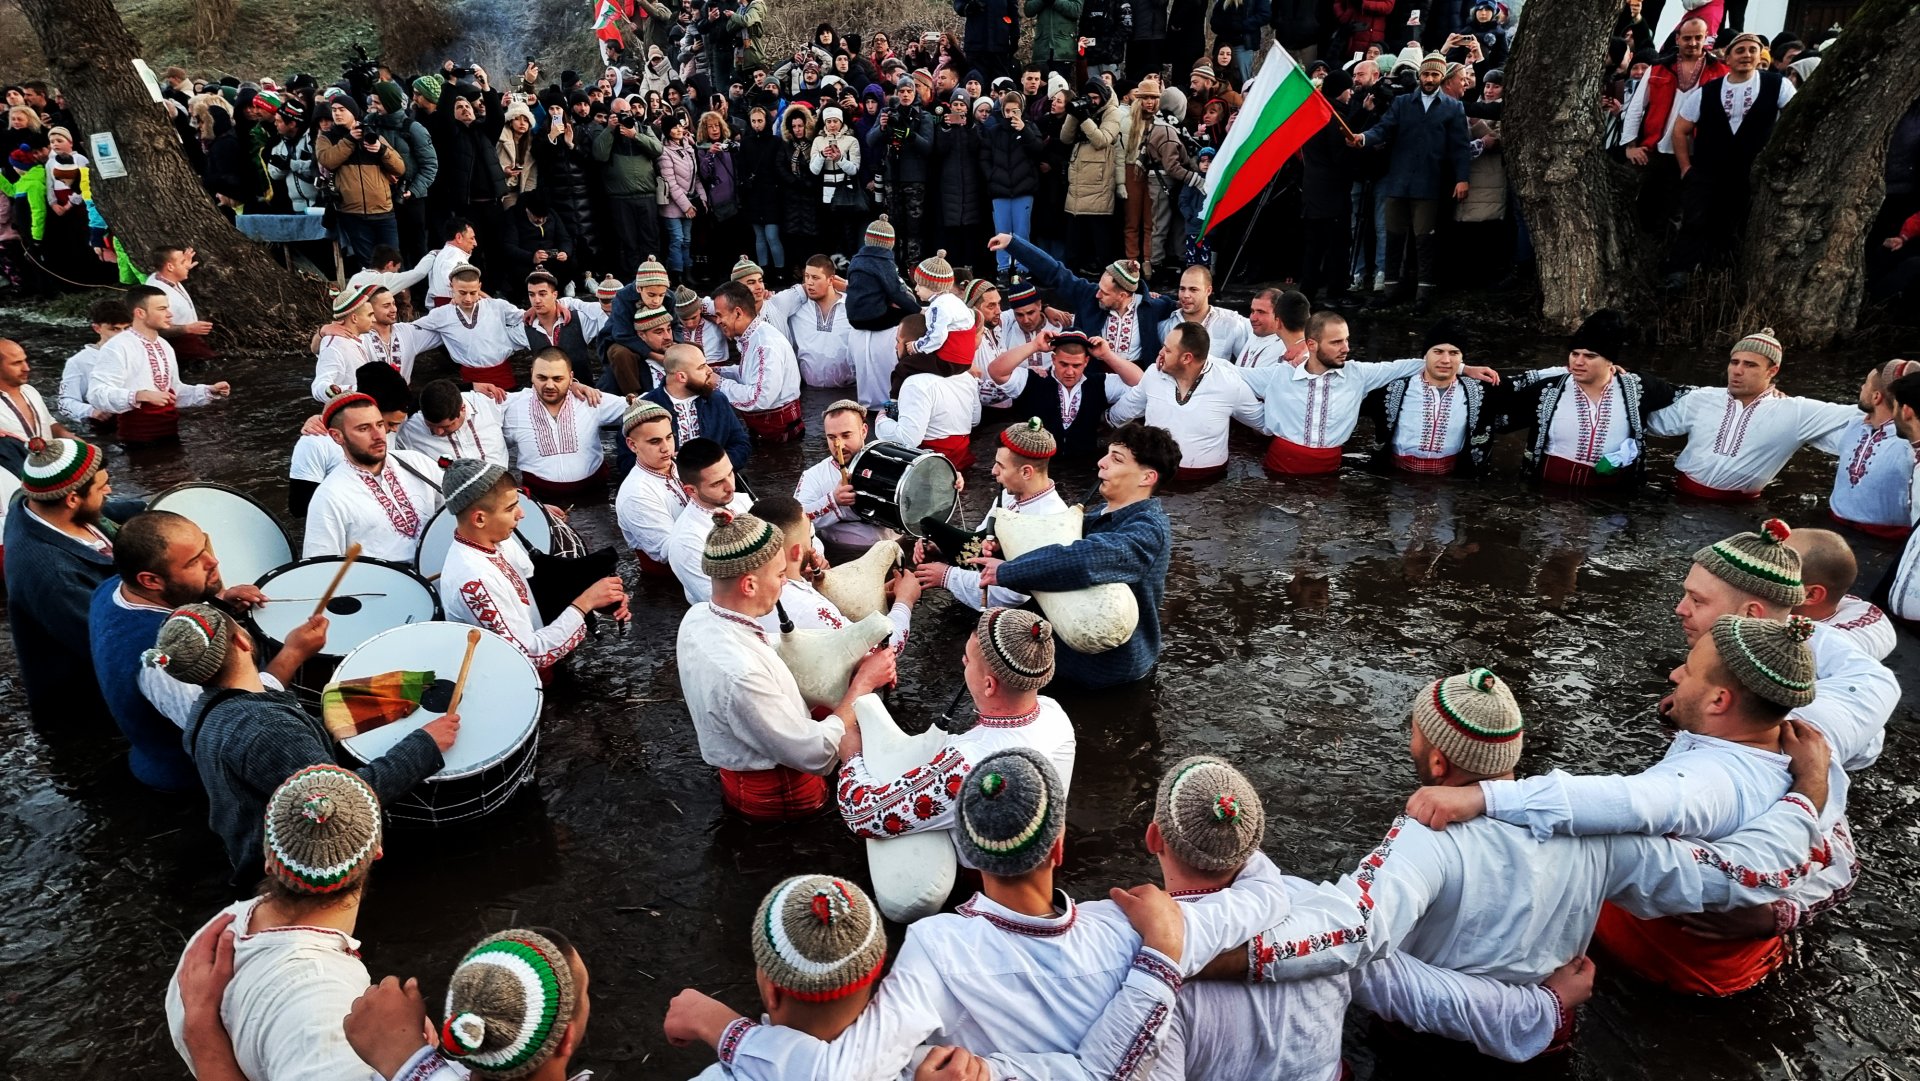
column 107, row 162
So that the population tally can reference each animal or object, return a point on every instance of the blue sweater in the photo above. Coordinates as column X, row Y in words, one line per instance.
column 1131, row 545
column 50, row 582
column 1076, row 295
column 876, row 297
column 119, row 635
column 718, row 422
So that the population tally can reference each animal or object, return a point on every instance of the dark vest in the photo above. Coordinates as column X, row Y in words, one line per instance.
column 1041, row 398
column 1720, row 150
column 572, row 342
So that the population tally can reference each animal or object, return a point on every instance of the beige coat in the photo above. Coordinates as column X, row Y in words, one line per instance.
column 365, row 187
column 1094, row 169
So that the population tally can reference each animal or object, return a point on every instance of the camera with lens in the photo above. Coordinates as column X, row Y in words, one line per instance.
column 361, row 72
column 458, row 72
column 1081, row 107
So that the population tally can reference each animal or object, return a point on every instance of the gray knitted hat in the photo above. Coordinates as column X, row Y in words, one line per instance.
column 1474, row 721
column 1768, row 657
column 818, row 938
column 192, row 644
column 1011, row 813
column 508, row 1004
column 323, row 830
column 685, row 300
column 1017, row 646
column 651, row 272
column 880, row 232
column 1209, row 814
column 1758, row 564
column 466, row 480
column 739, row 544
column 639, row 411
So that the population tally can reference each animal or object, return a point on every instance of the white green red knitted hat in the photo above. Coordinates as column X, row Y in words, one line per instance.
column 1768, row 657
column 651, row 273
column 323, row 830
column 508, row 1004
column 818, row 938
column 347, row 300
column 1759, row 564
column 1029, row 439
column 1473, row 719
column 652, row 319
column 934, row 270
column 1209, row 814
column 639, row 412
column 880, row 232
column 608, row 288
column 57, row 467
column 1126, row 274
column 744, row 269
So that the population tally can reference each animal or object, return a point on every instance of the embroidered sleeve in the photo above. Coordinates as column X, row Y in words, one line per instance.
column 1757, row 865
column 902, row 619
column 923, row 798
column 544, row 647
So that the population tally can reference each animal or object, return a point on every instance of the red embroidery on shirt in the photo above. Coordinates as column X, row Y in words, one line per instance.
column 1863, row 453
column 1733, row 428
column 157, row 364
column 554, row 435
column 1437, row 404
column 1594, row 423
column 399, row 509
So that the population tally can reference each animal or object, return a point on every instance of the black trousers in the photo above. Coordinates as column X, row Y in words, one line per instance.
column 636, row 231
column 1325, row 243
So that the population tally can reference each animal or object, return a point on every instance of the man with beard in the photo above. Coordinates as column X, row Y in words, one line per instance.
column 393, row 342
column 1587, row 424
column 1426, row 134
column 767, row 393
column 164, row 562
column 1190, row 393
column 1069, row 396
column 1434, row 423
column 563, row 323
column 23, row 412
column 1228, row 331
column 1719, row 134
column 1871, row 486
column 687, row 392
column 452, row 423
column 825, row 492
column 1646, row 125
column 59, row 548
column 556, row 439
column 382, row 499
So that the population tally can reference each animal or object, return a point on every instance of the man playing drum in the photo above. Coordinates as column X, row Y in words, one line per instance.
column 484, row 581
column 707, row 475
column 557, row 439
column 751, row 722
column 651, row 497
column 384, row 497
column 1021, row 466
column 825, row 492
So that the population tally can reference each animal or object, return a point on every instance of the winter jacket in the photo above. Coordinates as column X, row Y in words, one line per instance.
column 469, row 170
column 802, row 209
column 363, row 178
column 1427, row 147
column 290, row 163
column 719, row 176
column 1150, row 20
column 510, row 150
column 901, row 150
column 762, row 195
column 746, row 27
column 565, row 175
column 524, row 239
column 1108, row 26
column 1296, row 23
column 630, row 161
column 1326, row 181
column 407, row 136
column 1164, row 150
column 962, row 191
column 993, row 26
column 849, row 163
column 1358, row 24
column 1056, row 30
column 1009, row 160
column 876, row 297
column 679, row 180
column 1094, row 169
column 1239, row 22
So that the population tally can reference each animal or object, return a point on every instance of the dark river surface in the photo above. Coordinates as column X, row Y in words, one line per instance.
column 1301, row 616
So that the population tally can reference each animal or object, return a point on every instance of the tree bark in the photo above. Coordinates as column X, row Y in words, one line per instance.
column 212, row 22
column 1821, row 179
column 1577, row 202
column 249, row 298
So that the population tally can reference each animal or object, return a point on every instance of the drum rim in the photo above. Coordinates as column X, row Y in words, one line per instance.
column 420, row 546
column 439, row 612
column 533, row 726
column 914, row 455
column 153, row 504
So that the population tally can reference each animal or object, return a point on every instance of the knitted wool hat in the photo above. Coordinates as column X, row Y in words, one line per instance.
column 739, row 545
column 845, row 405
column 1763, row 343
column 1604, row 332
column 608, row 288
column 466, row 480
column 346, row 301
column 56, row 467
column 323, row 830
column 744, row 269
column 1017, row 646
column 1473, row 720
column 1435, row 61
column 818, row 938
column 508, row 1004
column 1769, row 658
column 342, row 401
column 1209, row 814
column 1126, row 274
column 1019, row 293
column 685, row 301
column 1758, row 564
column 652, row 318
column 192, row 644
column 880, row 232
column 651, row 272
column 268, row 100
column 638, row 412
column 1029, row 440
column 391, row 99
column 934, row 270
column 976, row 289
column 428, row 87
column 1204, row 70
column 1011, row 813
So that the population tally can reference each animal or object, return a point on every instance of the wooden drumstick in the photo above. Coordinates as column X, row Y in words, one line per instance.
column 346, row 563
column 460, row 685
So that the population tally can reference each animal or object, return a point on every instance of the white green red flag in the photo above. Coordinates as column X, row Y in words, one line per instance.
column 604, row 13
column 1283, row 109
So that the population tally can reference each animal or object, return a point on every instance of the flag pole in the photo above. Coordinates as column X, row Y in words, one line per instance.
column 1334, row 107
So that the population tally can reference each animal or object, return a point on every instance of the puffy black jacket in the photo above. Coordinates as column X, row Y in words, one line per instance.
column 760, row 188
column 993, row 26
column 962, row 191
column 901, row 149
column 565, row 179
column 1009, row 160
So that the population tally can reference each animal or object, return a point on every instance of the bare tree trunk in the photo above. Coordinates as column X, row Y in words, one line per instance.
column 249, row 298
column 212, row 22
column 1576, row 200
column 1820, row 180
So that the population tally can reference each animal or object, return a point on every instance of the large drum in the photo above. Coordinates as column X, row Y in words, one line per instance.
column 535, row 531
column 247, row 539
column 375, row 596
column 899, row 486
column 499, row 718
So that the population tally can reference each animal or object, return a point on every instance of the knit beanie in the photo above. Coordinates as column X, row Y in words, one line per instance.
column 347, row 300
column 1768, row 657
column 639, row 411
column 342, row 401
column 1758, row 564
column 323, row 830
column 651, row 272
column 345, row 101
column 1019, row 293
column 1029, row 439
column 652, row 318
column 466, row 480
column 56, row 467
column 934, row 270
column 685, row 301
column 268, row 100
column 845, row 405
column 391, row 99
column 517, row 109
column 192, row 644
column 1763, row 343
column 1126, row 274
column 1604, row 332
column 744, row 269
column 508, row 1004
column 1209, row 814
column 608, row 288
column 880, row 232
column 976, row 289
column 1434, row 61
column 1473, row 720
column 739, row 545
column 818, row 938
column 428, row 87
column 1011, row 813
column 1447, row 331
column 1017, row 646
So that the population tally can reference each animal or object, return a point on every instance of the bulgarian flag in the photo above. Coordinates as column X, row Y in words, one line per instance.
column 604, row 13
column 1282, row 111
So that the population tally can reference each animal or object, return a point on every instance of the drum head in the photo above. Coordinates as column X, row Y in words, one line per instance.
column 535, row 531
column 926, row 491
column 247, row 539
column 374, row 596
column 498, row 712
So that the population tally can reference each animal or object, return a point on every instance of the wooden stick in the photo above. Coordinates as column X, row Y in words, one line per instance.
column 1335, row 108
column 460, row 685
column 346, row 563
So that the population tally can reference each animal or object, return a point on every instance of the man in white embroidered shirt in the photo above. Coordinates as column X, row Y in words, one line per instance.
column 384, row 497
column 479, row 332
column 1228, row 330
column 1190, row 393
column 1828, row 569
column 651, row 497
column 556, row 438
column 1022, row 466
column 826, row 494
column 485, row 582
column 752, row 724
column 1872, row 483
column 706, row 474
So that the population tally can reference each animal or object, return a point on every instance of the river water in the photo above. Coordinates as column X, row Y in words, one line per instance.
column 1301, row 616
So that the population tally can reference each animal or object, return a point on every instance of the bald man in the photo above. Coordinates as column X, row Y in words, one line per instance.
column 23, row 413
column 1828, row 568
